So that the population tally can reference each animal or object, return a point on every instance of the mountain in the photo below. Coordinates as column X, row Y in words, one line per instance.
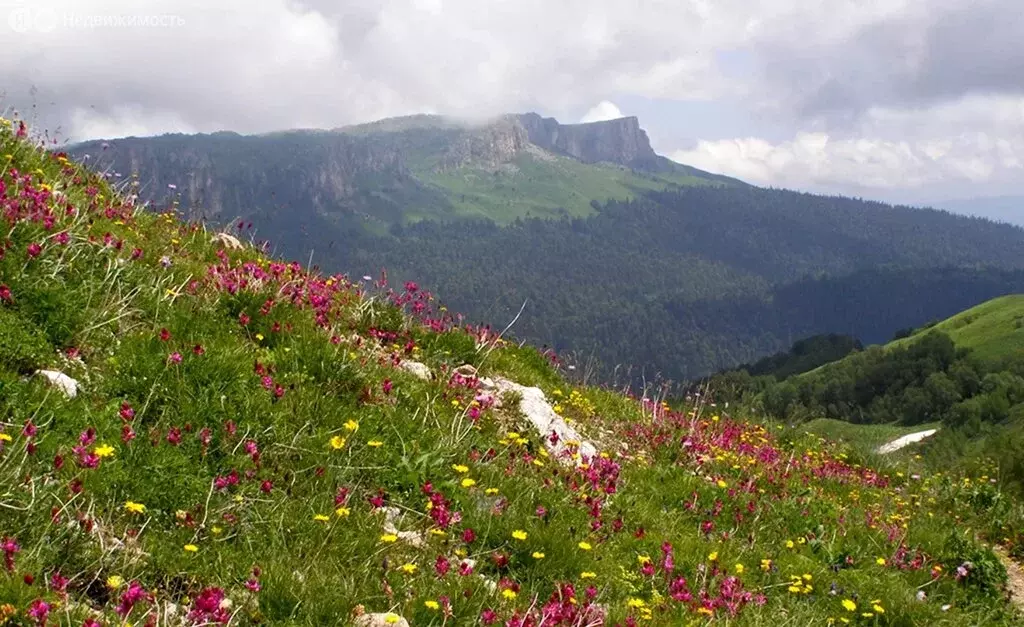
column 611, row 251
column 196, row 433
column 1009, row 209
column 398, row 170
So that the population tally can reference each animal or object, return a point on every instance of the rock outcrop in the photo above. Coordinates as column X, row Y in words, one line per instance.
column 619, row 141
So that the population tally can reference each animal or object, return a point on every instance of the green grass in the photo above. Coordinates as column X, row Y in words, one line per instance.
column 546, row 186
column 241, row 420
column 994, row 330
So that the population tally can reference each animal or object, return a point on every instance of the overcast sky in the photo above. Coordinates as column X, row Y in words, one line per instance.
column 897, row 99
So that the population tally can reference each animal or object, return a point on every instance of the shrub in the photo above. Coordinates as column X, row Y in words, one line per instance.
column 23, row 347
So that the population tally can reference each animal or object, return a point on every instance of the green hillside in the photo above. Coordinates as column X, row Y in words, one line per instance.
column 993, row 331
column 545, row 186
column 248, row 441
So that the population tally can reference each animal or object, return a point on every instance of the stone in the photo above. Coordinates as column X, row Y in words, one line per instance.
column 61, row 381
column 227, row 241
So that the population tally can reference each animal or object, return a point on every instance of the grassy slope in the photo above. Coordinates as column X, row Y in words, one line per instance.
column 993, row 330
column 241, row 420
column 540, row 186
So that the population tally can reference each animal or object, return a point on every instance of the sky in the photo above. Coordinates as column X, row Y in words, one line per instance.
column 902, row 100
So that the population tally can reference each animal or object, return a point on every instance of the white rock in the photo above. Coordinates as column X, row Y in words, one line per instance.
column 535, row 406
column 905, row 441
column 227, row 241
column 379, row 619
column 417, row 369
column 412, row 538
column 61, row 381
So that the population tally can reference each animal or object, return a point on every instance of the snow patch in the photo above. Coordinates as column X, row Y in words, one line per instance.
column 905, row 441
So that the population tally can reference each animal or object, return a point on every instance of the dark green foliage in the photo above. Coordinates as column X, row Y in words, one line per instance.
column 23, row 346
column 910, row 384
column 806, row 354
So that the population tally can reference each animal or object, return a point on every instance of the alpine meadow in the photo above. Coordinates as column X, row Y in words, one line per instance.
column 444, row 313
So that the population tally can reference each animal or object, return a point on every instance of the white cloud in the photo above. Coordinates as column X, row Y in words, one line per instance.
column 883, row 92
column 600, row 112
column 973, row 142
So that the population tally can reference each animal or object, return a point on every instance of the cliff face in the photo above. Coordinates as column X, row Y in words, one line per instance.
column 619, row 141
column 488, row 146
column 224, row 172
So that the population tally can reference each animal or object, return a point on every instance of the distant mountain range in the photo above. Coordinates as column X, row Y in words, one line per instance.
column 617, row 252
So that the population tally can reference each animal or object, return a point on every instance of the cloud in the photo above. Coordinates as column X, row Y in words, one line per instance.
column 978, row 141
column 894, row 54
column 600, row 112
column 278, row 64
column 905, row 90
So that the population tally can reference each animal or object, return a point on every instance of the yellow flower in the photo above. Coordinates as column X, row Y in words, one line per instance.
column 508, row 594
column 468, row 483
column 880, row 561
column 635, row 602
column 432, row 605
column 191, row 548
column 519, row 534
column 103, row 451
column 408, row 568
column 849, row 605
column 352, row 425
column 342, row 512
column 722, row 484
column 584, row 545
column 375, row 443
column 878, row 608
column 766, row 565
column 321, row 518
column 739, row 569
column 5, row 437
column 588, row 575
column 713, row 556
column 459, row 468
column 114, row 582
column 259, row 336
column 389, row 537
column 491, row 491
column 789, row 544
column 391, row 618
column 337, row 442
column 135, row 508
column 537, row 555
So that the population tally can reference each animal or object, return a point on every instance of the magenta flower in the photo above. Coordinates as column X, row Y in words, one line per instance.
column 34, row 250
column 39, row 611
column 9, row 546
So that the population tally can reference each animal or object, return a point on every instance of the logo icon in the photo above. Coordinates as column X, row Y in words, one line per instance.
column 25, row 19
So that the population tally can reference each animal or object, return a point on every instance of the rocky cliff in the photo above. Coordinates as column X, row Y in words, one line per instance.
column 619, row 141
